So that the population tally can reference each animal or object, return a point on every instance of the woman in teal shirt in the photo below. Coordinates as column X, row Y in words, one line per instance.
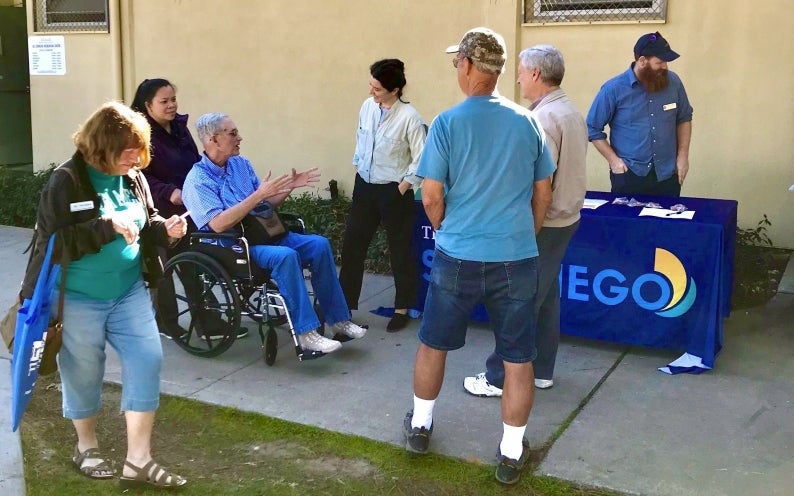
column 99, row 206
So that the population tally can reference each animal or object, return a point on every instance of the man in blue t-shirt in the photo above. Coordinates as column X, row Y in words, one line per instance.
column 650, row 123
column 490, row 157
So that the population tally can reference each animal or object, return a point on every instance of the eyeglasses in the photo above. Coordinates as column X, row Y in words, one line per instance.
column 233, row 133
column 652, row 38
column 457, row 60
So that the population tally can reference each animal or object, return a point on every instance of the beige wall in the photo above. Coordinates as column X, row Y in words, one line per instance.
column 737, row 64
column 60, row 103
column 293, row 74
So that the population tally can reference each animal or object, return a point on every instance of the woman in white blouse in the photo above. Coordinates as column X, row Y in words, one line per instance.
column 389, row 141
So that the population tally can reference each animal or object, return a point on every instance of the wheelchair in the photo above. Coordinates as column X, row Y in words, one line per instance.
column 216, row 284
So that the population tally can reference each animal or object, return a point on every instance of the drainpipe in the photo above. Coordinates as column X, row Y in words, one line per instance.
column 114, row 26
column 120, row 15
column 127, row 52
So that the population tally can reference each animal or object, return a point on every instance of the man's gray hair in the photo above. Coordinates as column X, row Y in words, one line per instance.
column 546, row 58
column 208, row 125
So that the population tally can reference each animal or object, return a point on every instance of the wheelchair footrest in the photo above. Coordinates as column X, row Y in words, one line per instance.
column 342, row 338
column 307, row 354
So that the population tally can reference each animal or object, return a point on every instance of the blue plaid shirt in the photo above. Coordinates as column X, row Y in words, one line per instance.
column 210, row 189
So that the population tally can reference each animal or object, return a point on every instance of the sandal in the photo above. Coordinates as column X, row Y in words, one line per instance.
column 151, row 474
column 102, row 470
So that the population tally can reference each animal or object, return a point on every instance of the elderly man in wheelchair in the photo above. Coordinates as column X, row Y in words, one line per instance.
column 219, row 192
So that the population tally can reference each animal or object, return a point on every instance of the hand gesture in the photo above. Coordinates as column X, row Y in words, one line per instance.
column 276, row 186
column 126, row 227
column 176, row 226
column 305, row 178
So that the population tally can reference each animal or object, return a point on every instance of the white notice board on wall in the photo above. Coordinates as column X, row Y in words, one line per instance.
column 47, row 55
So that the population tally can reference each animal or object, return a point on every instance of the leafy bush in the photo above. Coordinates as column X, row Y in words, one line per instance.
column 754, row 237
column 758, row 266
column 20, row 191
column 328, row 217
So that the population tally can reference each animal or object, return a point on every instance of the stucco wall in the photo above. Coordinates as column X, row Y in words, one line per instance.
column 293, row 74
column 737, row 64
column 60, row 103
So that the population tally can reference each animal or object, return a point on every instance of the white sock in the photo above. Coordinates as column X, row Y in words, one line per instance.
column 423, row 413
column 511, row 445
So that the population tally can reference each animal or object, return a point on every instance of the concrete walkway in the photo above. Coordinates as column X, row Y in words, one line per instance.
column 725, row 432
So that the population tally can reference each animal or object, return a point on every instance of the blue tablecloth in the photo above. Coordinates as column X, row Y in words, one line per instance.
column 649, row 281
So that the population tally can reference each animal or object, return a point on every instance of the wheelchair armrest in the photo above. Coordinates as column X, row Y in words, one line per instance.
column 213, row 235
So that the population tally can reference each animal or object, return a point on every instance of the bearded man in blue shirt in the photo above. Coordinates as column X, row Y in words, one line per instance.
column 650, row 123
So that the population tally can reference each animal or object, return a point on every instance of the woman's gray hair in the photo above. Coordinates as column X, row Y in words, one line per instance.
column 208, row 125
column 546, row 58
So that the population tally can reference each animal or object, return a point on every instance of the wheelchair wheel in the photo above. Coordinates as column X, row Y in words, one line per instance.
column 271, row 347
column 207, row 303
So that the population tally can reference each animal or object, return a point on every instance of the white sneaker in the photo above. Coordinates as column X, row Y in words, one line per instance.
column 479, row 386
column 312, row 341
column 544, row 383
column 349, row 329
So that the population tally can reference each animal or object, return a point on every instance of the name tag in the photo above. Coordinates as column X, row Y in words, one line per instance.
column 80, row 206
column 670, row 106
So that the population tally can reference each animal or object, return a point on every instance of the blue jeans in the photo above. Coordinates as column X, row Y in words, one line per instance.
column 285, row 261
column 127, row 324
column 552, row 243
column 506, row 288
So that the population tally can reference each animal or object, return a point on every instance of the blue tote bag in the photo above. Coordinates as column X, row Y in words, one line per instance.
column 33, row 318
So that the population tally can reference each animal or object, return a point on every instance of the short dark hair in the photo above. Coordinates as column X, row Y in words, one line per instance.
column 146, row 91
column 390, row 73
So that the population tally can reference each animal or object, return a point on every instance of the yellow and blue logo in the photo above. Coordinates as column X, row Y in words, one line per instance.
column 683, row 295
column 670, row 291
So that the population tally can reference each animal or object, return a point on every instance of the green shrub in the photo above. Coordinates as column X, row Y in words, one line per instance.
column 758, row 266
column 328, row 217
column 756, row 236
column 20, row 191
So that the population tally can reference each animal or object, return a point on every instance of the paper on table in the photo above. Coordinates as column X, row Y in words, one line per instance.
column 592, row 204
column 667, row 213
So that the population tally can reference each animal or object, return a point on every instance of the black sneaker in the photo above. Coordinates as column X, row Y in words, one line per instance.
column 508, row 471
column 417, row 439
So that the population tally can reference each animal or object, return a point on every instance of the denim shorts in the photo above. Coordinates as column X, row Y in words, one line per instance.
column 507, row 289
column 127, row 324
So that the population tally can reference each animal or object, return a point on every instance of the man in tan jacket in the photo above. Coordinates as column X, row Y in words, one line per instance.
column 540, row 74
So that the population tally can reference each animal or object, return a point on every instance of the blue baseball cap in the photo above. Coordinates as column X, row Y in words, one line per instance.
column 654, row 45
